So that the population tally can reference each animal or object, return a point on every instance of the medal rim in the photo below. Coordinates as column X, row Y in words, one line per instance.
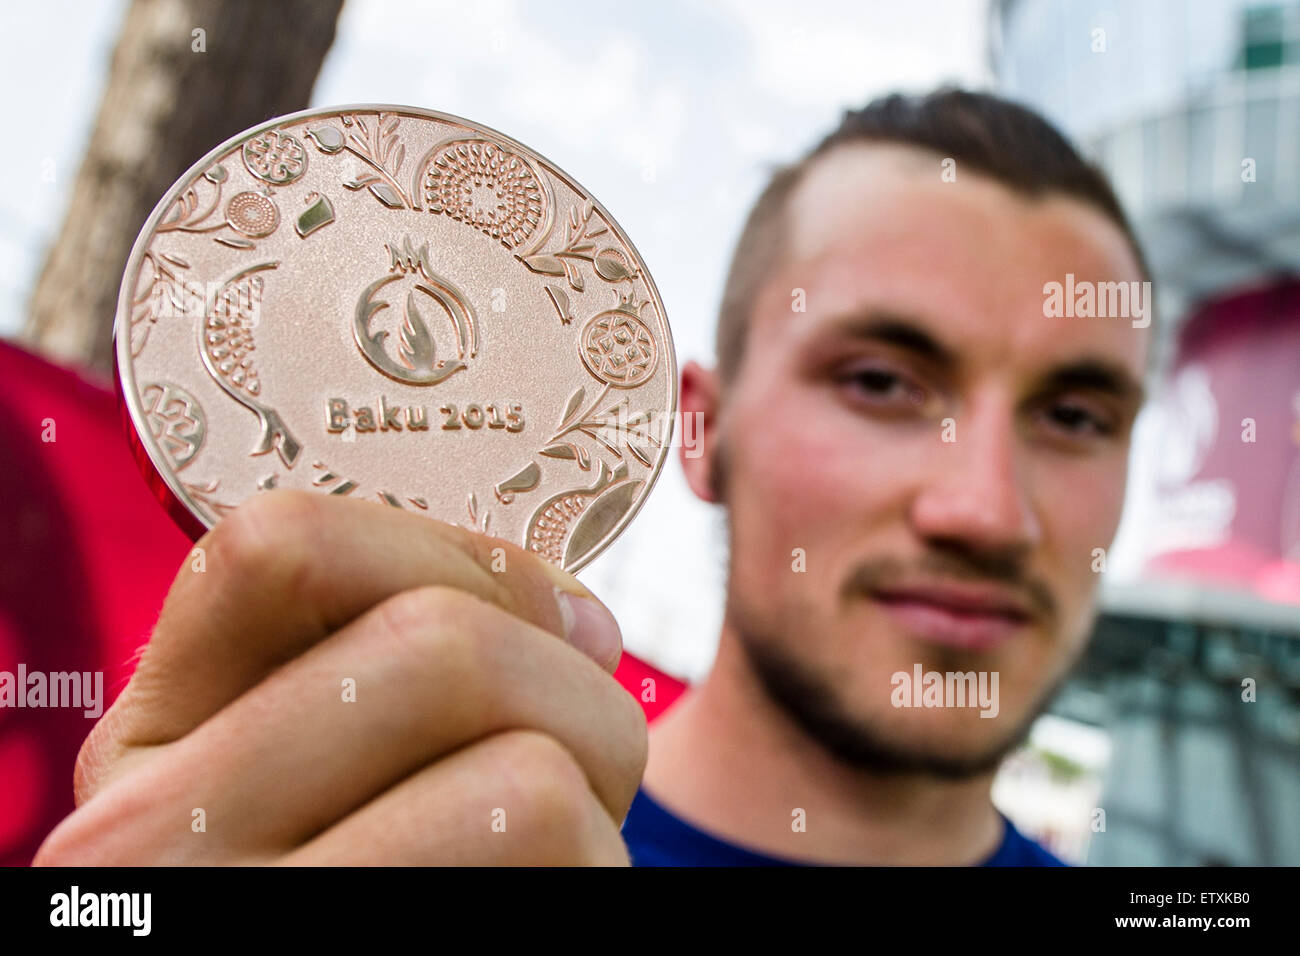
column 153, row 466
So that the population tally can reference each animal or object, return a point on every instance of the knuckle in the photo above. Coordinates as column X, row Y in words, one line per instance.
column 440, row 628
column 411, row 611
column 528, row 570
column 480, row 552
column 269, row 533
column 546, row 785
column 536, row 756
column 440, row 620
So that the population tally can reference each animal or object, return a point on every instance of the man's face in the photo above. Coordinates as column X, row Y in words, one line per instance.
column 945, row 458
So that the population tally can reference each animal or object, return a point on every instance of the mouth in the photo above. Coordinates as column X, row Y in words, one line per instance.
column 956, row 615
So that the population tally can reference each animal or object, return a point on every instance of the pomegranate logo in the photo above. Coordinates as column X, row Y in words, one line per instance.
column 415, row 359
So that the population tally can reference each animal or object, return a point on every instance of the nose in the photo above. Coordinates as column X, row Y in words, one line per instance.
column 975, row 497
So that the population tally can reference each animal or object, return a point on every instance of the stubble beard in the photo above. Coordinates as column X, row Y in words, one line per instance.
column 806, row 695
column 808, row 698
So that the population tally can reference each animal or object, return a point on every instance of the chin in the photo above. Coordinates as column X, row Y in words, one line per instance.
column 957, row 729
column 842, row 691
column 956, row 732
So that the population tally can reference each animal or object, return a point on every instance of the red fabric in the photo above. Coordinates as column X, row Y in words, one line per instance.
column 651, row 686
column 87, row 556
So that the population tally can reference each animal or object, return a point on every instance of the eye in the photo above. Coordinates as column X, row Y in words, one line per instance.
column 881, row 387
column 1077, row 419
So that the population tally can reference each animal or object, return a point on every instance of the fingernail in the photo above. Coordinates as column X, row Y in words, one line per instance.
column 590, row 628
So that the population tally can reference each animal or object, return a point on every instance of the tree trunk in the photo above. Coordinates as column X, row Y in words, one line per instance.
column 168, row 101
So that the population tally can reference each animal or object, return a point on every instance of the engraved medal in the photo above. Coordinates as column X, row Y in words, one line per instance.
column 398, row 305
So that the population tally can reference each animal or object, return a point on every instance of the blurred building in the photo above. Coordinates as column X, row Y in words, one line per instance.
column 1193, row 108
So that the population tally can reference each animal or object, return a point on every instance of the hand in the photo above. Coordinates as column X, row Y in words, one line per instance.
column 485, row 726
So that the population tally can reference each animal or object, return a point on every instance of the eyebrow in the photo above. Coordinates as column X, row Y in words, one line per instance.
column 902, row 333
column 1098, row 375
column 1094, row 373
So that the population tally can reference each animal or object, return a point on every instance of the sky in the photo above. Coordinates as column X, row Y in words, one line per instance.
column 671, row 114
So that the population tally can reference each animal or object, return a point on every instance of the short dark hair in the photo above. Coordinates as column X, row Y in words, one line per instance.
column 982, row 132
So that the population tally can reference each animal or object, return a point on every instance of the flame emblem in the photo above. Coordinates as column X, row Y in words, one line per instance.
column 415, row 361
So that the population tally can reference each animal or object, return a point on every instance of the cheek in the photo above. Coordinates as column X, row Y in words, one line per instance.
column 781, row 496
column 801, row 476
column 1079, row 504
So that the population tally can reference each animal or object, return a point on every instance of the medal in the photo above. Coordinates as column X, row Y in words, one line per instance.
column 398, row 305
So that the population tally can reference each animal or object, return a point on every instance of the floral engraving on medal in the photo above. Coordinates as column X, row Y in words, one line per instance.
column 609, row 262
column 327, row 478
column 480, row 521
column 618, row 347
column 525, row 479
column 560, row 299
column 187, row 211
column 565, row 527
column 486, row 186
column 275, row 157
column 333, row 483
column 227, row 345
column 252, row 214
column 609, row 428
column 161, row 293
column 327, row 138
column 319, row 212
column 175, row 420
column 416, row 361
column 375, row 142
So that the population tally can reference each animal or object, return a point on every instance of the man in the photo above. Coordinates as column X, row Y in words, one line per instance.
column 917, row 463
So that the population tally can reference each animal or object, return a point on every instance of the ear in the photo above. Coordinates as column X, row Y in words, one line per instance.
column 699, row 402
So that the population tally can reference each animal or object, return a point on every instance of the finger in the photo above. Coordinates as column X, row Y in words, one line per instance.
column 416, row 678
column 517, row 798
column 287, row 568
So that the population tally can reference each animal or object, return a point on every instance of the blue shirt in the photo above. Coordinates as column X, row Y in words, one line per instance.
column 656, row 837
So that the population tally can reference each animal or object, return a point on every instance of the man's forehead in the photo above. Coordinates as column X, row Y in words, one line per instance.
column 857, row 190
column 841, row 188
column 875, row 225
